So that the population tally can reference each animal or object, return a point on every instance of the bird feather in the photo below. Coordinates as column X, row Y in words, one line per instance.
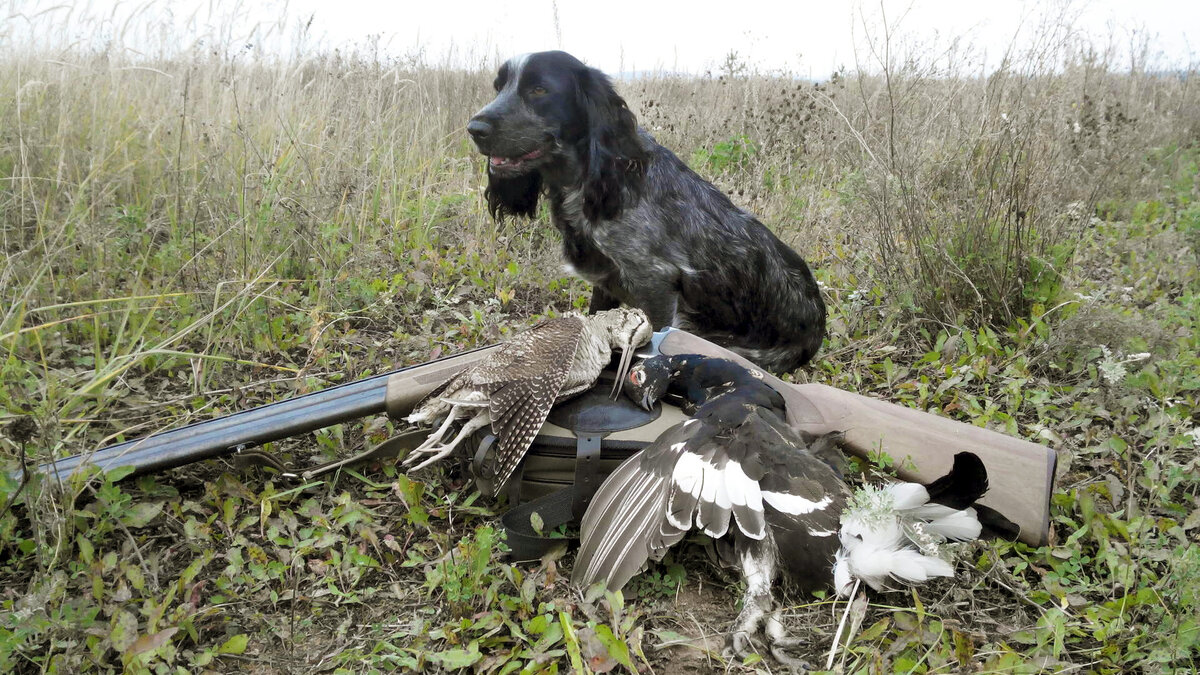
column 626, row 522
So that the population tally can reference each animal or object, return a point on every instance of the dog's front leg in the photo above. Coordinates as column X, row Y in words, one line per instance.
column 602, row 300
column 660, row 308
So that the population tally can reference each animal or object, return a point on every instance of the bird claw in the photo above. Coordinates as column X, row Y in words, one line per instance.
column 738, row 645
column 778, row 650
column 436, row 453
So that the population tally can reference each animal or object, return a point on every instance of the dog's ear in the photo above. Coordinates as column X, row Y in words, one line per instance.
column 513, row 196
column 613, row 157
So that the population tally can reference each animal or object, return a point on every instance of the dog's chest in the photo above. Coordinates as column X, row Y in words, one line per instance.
column 598, row 251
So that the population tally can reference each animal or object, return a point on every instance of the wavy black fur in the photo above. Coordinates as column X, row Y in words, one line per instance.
column 516, row 196
column 636, row 221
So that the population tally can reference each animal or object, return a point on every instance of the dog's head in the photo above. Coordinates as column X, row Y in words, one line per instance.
column 553, row 113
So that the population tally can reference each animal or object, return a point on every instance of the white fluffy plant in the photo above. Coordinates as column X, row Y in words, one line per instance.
column 1112, row 366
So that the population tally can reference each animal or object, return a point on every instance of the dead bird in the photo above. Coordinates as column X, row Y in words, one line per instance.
column 738, row 472
column 514, row 388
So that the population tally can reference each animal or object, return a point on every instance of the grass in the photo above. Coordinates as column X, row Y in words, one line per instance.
column 202, row 231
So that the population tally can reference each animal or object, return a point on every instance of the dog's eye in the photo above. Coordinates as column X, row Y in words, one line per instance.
column 537, row 91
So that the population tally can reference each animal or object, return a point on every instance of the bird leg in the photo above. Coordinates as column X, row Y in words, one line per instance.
column 458, row 409
column 758, row 562
column 480, row 420
column 436, row 436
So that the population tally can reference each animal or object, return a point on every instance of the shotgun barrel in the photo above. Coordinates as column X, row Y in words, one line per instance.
column 393, row 392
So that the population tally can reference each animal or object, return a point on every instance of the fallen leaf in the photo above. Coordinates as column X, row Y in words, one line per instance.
column 594, row 651
column 147, row 642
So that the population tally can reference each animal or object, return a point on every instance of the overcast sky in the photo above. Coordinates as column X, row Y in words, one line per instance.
column 804, row 37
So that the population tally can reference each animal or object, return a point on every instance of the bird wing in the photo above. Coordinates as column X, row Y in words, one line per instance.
column 733, row 465
column 792, row 480
column 519, row 353
column 706, row 476
column 524, row 385
column 627, row 522
column 545, row 347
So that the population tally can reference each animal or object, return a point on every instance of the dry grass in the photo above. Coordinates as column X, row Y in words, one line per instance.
column 965, row 194
column 962, row 193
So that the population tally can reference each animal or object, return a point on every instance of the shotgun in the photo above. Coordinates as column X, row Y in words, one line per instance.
column 395, row 392
column 1021, row 473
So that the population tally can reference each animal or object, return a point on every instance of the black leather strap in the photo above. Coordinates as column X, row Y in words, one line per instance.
column 482, row 469
column 523, row 542
column 512, row 489
column 557, row 508
column 590, row 417
column 587, row 472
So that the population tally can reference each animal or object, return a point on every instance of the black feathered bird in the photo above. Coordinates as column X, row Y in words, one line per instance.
column 737, row 471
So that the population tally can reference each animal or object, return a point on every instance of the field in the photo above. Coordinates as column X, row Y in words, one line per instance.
column 196, row 233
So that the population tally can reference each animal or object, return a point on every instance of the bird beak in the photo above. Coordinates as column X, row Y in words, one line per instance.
column 622, row 370
column 645, row 402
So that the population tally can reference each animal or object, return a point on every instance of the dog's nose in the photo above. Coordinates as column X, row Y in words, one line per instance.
column 479, row 128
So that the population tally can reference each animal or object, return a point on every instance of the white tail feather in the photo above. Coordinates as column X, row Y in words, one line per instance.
column 957, row 526
column 907, row 495
column 892, row 533
column 843, row 578
column 876, row 565
column 930, row 511
column 912, row 567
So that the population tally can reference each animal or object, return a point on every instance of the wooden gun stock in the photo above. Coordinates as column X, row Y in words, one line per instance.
column 1020, row 473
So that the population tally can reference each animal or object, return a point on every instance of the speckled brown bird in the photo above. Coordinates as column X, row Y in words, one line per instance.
column 514, row 388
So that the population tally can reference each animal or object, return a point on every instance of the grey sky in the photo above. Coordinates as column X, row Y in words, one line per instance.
column 804, row 37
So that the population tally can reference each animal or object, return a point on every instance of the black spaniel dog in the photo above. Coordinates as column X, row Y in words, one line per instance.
column 636, row 221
